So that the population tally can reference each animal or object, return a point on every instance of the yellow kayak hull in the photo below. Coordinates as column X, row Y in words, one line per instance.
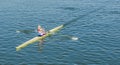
column 36, row 39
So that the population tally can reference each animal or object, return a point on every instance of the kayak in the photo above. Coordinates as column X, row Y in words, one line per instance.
column 54, row 30
column 37, row 38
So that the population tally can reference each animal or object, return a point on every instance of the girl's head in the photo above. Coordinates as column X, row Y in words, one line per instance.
column 39, row 26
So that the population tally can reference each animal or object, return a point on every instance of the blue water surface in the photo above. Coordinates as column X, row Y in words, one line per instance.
column 95, row 22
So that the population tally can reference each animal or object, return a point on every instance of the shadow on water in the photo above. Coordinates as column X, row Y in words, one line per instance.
column 82, row 16
column 61, row 37
column 40, row 46
column 47, row 64
column 25, row 31
column 68, row 37
column 112, row 12
column 69, row 8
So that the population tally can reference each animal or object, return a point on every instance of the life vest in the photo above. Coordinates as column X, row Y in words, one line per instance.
column 41, row 31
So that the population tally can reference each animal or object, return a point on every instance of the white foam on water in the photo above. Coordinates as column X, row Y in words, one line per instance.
column 74, row 38
column 17, row 31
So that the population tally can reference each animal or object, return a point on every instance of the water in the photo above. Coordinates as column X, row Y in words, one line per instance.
column 98, row 32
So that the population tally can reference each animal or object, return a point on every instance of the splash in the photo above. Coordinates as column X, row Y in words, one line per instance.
column 74, row 38
column 17, row 31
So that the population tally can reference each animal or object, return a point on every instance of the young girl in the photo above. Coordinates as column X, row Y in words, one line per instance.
column 41, row 31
